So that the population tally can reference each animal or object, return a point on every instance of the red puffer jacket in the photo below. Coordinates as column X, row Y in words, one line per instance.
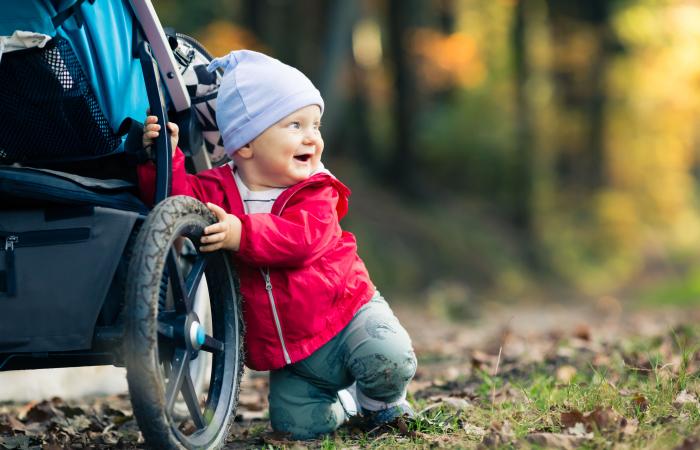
column 301, row 277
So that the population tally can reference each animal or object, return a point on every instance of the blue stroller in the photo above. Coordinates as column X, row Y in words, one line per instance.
column 89, row 274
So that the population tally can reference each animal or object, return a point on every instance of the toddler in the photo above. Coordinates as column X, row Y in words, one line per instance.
column 313, row 317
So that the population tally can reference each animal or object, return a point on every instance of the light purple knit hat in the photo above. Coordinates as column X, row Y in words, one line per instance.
column 256, row 92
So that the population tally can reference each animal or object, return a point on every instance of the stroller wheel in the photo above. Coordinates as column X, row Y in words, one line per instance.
column 183, row 369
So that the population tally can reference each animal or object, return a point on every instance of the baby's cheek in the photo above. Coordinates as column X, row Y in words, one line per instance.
column 316, row 160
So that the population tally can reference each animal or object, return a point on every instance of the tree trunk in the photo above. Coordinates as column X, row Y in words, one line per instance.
column 401, row 168
column 342, row 16
column 523, row 167
column 581, row 86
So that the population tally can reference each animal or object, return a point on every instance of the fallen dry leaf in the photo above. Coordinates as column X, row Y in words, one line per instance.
column 609, row 305
column 601, row 359
column 683, row 398
column 473, row 430
column 495, row 439
column 481, row 360
column 110, row 437
column 565, row 374
column 583, row 332
column 80, row 423
column 52, row 447
column 629, row 427
column 19, row 441
column 600, row 418
column 689, row 443
column 640, row 402
column 605, row 418
column 579, row 430
column 41, row 412
column 71, row 411
column 278, row 439
column 9, row 425
column 556, row 440
column 504, row 428
column 571, row 418
column 403, row 427
column 455, row 404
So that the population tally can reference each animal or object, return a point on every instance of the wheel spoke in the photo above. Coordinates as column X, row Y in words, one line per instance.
column 195, row 275
column 179, row 370
column 167, row 368
column 183, row 303
column 166, row 339
column 190, row 395
column 212, row 345
column 166, row 329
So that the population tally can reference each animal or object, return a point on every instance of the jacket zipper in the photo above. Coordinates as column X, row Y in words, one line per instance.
column 277, row 209
column 268, row 287
column 268, row 284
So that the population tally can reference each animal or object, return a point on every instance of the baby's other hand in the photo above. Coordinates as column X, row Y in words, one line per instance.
column 151, row 131
column 225, row 234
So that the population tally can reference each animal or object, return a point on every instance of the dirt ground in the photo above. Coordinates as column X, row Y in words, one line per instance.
column 501, row 337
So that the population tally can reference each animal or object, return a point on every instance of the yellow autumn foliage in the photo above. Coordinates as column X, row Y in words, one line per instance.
column 447, row 60
column 221, row 37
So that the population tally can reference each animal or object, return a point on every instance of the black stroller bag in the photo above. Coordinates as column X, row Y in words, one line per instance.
column 55, row 272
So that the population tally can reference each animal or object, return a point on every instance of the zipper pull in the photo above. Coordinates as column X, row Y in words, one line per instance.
column 10, row 242
column 10, row 275
column 266, row 277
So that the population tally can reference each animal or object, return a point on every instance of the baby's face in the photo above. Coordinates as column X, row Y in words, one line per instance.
column 289, row 151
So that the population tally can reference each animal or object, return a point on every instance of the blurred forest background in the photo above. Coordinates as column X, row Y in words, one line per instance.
column 499, row 150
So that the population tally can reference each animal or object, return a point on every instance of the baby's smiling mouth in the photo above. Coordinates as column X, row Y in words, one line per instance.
column 302, row 158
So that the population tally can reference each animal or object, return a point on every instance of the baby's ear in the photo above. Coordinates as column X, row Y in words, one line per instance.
column 245, row 152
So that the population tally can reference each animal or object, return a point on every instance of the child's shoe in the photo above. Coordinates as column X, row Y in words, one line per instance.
column 375, row 419
column 348, row 399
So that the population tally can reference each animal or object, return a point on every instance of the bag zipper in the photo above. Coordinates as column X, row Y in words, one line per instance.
column 34, row 239
column 268, row 287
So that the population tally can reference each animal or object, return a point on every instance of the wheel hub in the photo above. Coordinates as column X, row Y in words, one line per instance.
column 196, row 335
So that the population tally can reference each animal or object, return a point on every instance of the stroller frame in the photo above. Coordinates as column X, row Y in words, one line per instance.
column 159, row 330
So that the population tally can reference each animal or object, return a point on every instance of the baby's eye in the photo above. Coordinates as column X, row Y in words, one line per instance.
column 295, row 125
column 317, row 126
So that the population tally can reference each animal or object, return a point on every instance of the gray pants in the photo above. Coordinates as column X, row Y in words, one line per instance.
column 373, row 350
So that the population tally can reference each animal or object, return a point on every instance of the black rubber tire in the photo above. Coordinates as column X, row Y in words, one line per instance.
column 152, row 342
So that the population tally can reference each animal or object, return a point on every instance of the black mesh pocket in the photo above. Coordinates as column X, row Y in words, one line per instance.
column 47, row 109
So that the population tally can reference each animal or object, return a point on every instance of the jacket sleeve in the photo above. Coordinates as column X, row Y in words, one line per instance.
column 306, row 229
column 182, row 182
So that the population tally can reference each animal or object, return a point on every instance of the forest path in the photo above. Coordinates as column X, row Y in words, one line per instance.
column 455, row 359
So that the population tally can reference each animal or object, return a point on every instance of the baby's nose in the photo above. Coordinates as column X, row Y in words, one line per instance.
column 312, row 136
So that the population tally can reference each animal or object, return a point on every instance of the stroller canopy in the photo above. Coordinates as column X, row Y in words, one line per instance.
column 102, row 35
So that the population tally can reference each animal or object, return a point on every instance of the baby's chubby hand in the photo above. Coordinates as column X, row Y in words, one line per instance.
column 225, row 234
column 151, row 131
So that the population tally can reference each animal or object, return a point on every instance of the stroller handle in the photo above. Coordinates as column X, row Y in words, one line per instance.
column 157, row 103
column 147, row 17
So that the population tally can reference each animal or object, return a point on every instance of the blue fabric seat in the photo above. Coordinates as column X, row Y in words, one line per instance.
column 101, row 35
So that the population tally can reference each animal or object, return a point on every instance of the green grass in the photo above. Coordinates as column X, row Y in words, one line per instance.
column 681, row 290
column 634, row 394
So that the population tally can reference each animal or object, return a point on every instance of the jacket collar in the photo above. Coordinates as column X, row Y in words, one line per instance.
column 314, row 180
column 323, row 176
